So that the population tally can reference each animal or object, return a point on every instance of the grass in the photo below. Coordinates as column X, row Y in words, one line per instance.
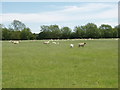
column 0, row 65
column 31, row 64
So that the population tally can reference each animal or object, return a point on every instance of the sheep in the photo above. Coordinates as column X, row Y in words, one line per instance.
column 46, row 42
column 54, row 42
column 11, row 41
column 81, row 44
column 71, row 45
column 16, row 42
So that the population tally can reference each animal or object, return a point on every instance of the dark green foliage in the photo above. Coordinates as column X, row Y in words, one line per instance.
column 92, row 30
column 15, row 35
column 118, row 30
column 65, row 32
column 106, row 31
column 79, row 32
column 49, row 32
column 1, row 26
column 26, row 34
column 18, row 30
column 6, row 34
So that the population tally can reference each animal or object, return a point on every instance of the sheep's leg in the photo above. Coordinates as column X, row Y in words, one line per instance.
column 82, row 45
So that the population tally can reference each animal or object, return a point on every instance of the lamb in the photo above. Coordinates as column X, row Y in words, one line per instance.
column 81, row 44
column 71, row 45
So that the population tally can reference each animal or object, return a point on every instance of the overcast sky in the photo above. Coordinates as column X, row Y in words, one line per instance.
column 71, row 14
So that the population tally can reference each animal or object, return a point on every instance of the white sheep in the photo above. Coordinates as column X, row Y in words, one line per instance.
column 46, row 42
column 11, row 41
column 54, row 42
column 16, row 42
column 81, row 44
column 71, row 45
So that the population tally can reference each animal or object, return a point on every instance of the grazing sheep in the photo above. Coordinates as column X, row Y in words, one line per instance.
column 16, row 42
column 54, row 42
column 81, row 44
column 46, row 42
column 71, row 45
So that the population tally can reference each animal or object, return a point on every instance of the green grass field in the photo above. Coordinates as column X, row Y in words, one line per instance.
column 32, row 64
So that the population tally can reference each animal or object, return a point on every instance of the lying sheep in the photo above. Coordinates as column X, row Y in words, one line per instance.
column 10, row 41
column 46, row 42
column 81, row 44
column 71, row 45
column 54, row 42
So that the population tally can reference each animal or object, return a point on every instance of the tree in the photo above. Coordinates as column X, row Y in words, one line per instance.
column 15, row 35
column 33, row 36
column 79, row 31
column 26, row 34
column 1, row 26
column 106, row 31
column 6, row 34
column 73, row 35
column 115, row 32
column 17, row 25
column 49, row 32
column 65, row 32
column 18, row 31
column 117, row 29
column 45, row 32
column 55, row 31
column 91, row 30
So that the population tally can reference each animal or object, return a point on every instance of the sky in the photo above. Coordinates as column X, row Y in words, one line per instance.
column 71, row 14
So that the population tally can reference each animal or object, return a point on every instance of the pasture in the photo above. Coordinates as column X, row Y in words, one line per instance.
column 32, row 64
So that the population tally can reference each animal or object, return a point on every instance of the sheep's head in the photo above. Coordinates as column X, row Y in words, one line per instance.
column 85, row 43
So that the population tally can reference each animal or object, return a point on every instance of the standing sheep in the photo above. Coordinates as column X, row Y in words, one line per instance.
column 81, row 44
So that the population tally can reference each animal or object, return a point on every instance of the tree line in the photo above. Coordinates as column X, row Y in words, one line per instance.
column 18, row 31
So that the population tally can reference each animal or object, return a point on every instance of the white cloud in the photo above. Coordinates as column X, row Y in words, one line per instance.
column 87, row 7
column 97, row 13
column 39, row 17
column 60, row 0
column 81, row 12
